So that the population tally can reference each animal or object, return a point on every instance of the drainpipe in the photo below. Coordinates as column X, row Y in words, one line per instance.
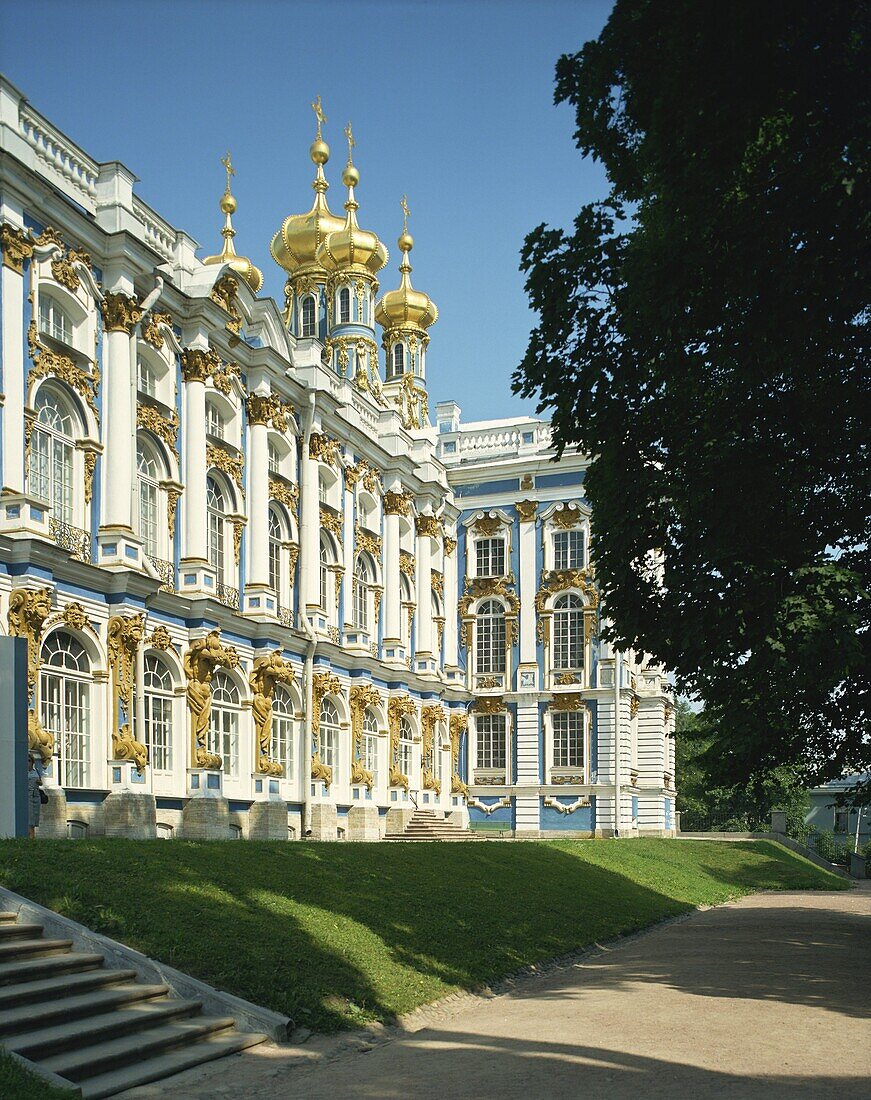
column 307, row 628
column 617, row 743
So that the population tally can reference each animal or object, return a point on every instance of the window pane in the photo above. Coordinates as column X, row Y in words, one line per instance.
column 490, row 730
column 568, row 739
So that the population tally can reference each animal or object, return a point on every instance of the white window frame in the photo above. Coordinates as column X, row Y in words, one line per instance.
column 491, row 639
column 152, row 513
column 159, row 699
column 55, row 321
column 344, row 299
column 568, row 633
column 281, row 748
column 308, row 324
column 490, row 554
column 569, row 549
column 216, row 422
column 52, row 466
column 370, row 745
column 216, row 519
column 66, row 706
column 568, row 740
column 329, row 729
column 224, row 723
column 491, row 742
column 405, row 760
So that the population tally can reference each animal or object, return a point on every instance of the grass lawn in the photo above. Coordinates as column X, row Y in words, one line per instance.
column 334, row 935
column 16, row 1083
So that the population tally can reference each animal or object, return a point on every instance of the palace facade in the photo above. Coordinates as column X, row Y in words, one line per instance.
column 262, row 594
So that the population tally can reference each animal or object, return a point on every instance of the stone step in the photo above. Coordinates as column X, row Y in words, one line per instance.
column 52, row 1010
column 17, row 949
column 165, row 1064
column 81, row 1035
column 103, row 1058
column 11, row 973
column 10, row 930
column 5, row 917
column 65, row 985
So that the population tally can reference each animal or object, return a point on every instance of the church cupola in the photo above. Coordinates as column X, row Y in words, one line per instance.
column 405, row 314
column 295, row 246
column 243, row 267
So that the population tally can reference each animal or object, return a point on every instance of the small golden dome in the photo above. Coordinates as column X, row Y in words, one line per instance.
column 294, row 247
column 243, row 267
column 350, row 177
column 406, row 307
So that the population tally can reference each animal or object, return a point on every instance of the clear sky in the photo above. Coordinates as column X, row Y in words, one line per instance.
column 451, row 104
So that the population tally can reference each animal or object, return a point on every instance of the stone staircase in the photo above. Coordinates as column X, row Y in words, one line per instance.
column 428, row 825
column 97, row 1028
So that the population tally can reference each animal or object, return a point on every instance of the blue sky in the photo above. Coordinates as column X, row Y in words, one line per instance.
column 451, row 104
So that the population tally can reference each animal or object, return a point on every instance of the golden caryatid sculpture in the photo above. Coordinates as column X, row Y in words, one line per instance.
column 405, row 311
column 294, row 247
column 352, row 250
column 243, row 267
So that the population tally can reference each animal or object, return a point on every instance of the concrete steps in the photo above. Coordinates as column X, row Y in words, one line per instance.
column 97, row 1028
column 428, row 825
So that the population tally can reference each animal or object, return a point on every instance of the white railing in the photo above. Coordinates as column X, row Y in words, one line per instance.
column 59, row 154
column 158, row 233
column 491, row 441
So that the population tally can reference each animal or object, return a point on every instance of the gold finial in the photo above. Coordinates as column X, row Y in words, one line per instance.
column 319, row 115
column 228, row 203
column 228, row 164
column 406, row 241
column 405, row 213
column 350, row 177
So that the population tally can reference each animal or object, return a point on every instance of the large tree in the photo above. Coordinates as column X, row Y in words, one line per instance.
column 701, row 335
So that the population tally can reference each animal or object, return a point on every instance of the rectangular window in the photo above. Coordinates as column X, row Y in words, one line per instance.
column 158, row 732
column 282, row 743
column 490, row 557
column 146, row 379
column 54, row 322
column 842, row 821
column 568, row 739
column 214, row 422
column 405, row 757
column 66, row 714
column 370, row 754
column 224, row 739
column 490, row 737
column 216, row 545
column 148, row 529
column 490, row 644
column 568, row 549
column 330, row 749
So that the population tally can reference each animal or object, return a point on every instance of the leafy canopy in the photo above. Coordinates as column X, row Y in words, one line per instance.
column 701, row 335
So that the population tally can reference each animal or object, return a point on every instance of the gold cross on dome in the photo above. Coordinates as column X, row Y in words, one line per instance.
column 319, row 114
column 351, row 143
column 228, row 164
column 405, row 213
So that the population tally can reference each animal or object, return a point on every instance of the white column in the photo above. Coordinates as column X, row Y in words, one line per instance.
column 452, row 595
column 423, row 618
column 527, row 592
column 12, row 345
column 310, row 531
column 258, row 495
column 195, row 372
column 348, row 546
column 121, row 314
column 392, row 591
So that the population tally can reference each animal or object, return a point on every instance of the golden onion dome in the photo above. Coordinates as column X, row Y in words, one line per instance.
column 405, row 307
column 351, row 248
column 243, row 267
column 294, row 247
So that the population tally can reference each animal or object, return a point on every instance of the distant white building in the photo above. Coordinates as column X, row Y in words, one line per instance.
column 262, row 595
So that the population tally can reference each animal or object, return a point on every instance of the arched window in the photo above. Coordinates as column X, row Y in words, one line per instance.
column 398, row 358
column 158, row 713
column 215, row 425
column 329, row 729
column 490, row 638
column 370, row 745
column 362, row 580
column 216, row 508
column 54, row 320
column 65, row 703
column 150, row 525
column 308, row 316
column 405, row 746
column 281, row 749
column 275, row 555
column 146, row 378
column 344, row 305
column 224, row 723
column 52, row 447
column 568, row 632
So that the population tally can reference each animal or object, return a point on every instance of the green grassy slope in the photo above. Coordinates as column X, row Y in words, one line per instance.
column 337, row 934
column 16, row 1083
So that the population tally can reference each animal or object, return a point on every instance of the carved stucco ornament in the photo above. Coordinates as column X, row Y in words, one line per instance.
column 430, row 717
column 46, row 362
column 121, row 312
column 17, row 247
column 361, row 696
column 124, row 635
column 200, row 661
column 456, row 728
column 269, row 669
column 323, row 684
column 28, row 610
column 398, row 707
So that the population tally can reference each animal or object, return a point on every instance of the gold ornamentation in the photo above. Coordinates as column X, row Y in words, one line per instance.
column 39, row 740
column 47, row 362
column 152, row 330
column 590, row 629
column 268, row 408
column 321, row 447
column 197, row 364
column 172, row 497
column 478, row 588
column 438, row 583
column 666, row 713
column 407, row 564
column 396, row 504
column 164, row 427
column 377, row 593
column 450, row 545
column 487, row 682
column 527, row 482
column 487, row 526
column 558, row 580
column 292, row 554
column 526, row 510
column 494, row 704
column 63, row 268
column 238, row 528
column 565, row 517
column 338, row 572
column 331, row 520
column 285, row 492
column 566, row 678
column 269, row 669
column 410, row 608
column 633, row 706
column 323, row 683
column 200, row 661
column 219, row 459
column 361, row 696
column 90, row 456
column 397, row 708
column 74, row 616
column 28, row 610
column 223, row 376
column 121, row 313
column 370, row 476
column 413, row 403
column 223, row 294
column 123, row 637
column 161, row 638
column 565, row 780
column 427, row 525
column 456, row 728
column 430, row 717
column 366, row 541
column 17, row 247
column 568, row 701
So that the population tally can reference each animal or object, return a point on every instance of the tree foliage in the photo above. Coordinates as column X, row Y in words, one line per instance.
column 701, row 335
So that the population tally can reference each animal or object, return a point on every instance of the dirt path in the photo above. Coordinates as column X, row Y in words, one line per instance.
column 769, row 996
